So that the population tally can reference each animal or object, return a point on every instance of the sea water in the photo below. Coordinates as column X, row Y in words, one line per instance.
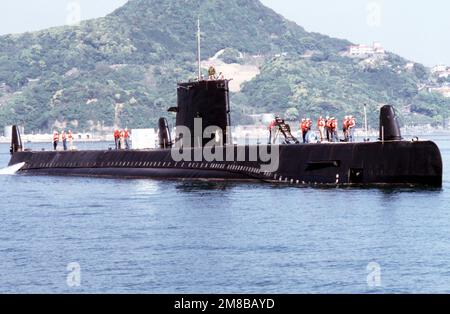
column 85, row 235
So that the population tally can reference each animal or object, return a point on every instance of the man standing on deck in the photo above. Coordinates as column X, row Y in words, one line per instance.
column 64, row 140
column 327, row 128
column 272, row 126
column 351, row 128
column 127, row 139
column 321, row 126
column 70, row 137
column 309, row 125
column 334, row 130
column 345, row 128
column 117, row 138
column 55, row 140
column 211, row 73
column 122, row 139
column 304, row 129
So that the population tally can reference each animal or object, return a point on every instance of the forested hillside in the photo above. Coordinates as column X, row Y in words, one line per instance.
column 123, row 68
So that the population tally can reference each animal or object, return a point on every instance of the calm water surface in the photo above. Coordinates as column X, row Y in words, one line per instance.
column 175, row 237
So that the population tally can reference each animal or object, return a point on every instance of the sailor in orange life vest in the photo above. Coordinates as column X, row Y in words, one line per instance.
column 309, row 125
column 117, row 138
column 127, row 139
column 321, row 126
column 306, row 126
column 55, row 140
column 327, row 128
column 333, row 125
column 351, row 128
column 304, row 129
column 345, row 123
column 122, row 139
column 64, row 139
column 272, row 126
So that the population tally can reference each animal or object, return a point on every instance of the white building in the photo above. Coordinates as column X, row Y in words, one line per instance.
column 441, row 71
column 444, row 90
column 438, row 69
column 409, row 66
column 365, row 50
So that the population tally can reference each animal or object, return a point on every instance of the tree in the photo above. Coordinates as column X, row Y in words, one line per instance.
column 292, row 114
column 420, row 71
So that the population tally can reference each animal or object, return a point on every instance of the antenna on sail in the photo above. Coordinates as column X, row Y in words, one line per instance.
column 199, row 56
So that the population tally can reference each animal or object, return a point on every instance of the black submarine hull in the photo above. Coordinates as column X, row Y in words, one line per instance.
column 205, row 104
column 374, row 163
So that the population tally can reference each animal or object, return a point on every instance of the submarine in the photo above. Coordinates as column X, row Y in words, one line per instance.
column 203, row 150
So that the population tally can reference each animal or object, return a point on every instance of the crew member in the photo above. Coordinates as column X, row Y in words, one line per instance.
column 127, row 139
column 55, row 140
column 345, row 123
column 321, row 126
column 328, row 128
column 304, row 129
column 309, row 124
column 351, row 128
column 70, row 138
column 272, row 126
column 122, row 139
column 334, row 130
column 117, row 138
column 64, row 139
column 211, row 73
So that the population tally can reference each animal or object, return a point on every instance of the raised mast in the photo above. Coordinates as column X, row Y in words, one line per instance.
column 199, row 56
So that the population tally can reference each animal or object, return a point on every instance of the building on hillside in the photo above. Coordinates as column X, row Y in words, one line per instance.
column 409, row 66
column 359, row 51
column 443, row 90
column 441, row 71
column 4, row 88
column 309, row 54
column 438, row 68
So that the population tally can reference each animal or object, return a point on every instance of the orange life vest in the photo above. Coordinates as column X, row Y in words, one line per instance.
column 304, row 126
column 56, row 137
column 321, row 123
column 333, row 125
column 352, row 123
column 345, row 124
column 272, row 124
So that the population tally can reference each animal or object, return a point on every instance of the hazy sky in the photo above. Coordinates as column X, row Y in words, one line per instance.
column 416, row 29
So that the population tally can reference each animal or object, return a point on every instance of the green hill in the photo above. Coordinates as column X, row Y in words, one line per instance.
column 123, row 68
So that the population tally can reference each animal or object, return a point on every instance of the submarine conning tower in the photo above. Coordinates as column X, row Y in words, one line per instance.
column 389, row 126
column 208, row 100
column 16, row 140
